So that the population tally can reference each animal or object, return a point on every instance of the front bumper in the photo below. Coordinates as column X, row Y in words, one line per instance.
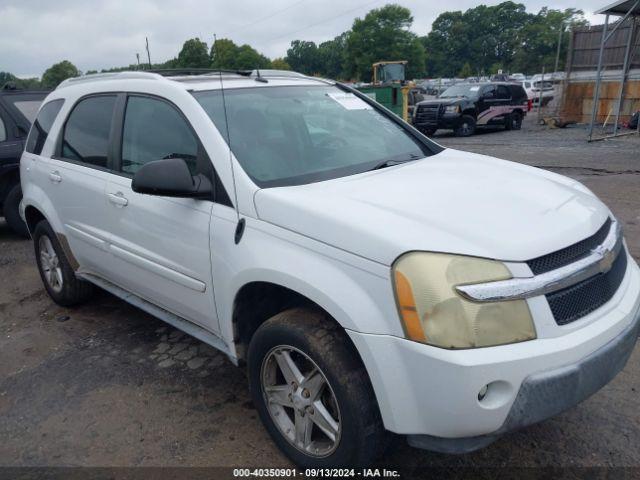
column 447, row 121
column 546, row 394
column 431, row 394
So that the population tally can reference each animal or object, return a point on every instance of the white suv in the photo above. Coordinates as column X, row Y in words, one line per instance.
column 370, row 279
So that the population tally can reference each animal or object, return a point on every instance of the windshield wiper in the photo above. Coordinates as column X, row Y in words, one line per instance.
column 390, row 162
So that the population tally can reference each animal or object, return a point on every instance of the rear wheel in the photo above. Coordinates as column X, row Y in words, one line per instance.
column 11, row 210
column 313, row 393
column 57, row 275
column 467, row 126
column 428, row 131
column 514, row 121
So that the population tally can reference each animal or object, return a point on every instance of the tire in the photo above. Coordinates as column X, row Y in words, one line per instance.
column 311, row 340
column 467, row 127
column 514, row 121
column 56, row 273
column 429, row 132
column 11, row 210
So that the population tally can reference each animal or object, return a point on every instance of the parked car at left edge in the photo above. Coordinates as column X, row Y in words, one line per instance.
column 18, row 109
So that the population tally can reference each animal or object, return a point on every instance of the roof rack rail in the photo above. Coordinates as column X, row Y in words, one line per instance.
column 178, row 72
column 123, row 75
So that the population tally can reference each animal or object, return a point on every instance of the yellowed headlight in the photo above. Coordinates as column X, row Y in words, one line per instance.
column 433, row 312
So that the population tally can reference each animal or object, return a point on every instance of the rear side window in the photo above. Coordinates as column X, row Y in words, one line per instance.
column 3, row 131
column 155, row 130
column 86, row 133
column 517, row 92
column 503, row 93
column 40, row 128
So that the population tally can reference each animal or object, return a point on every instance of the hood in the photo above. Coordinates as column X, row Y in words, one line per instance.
column 455, row 202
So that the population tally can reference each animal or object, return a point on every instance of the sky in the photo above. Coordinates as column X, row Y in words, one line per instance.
column 34, row 34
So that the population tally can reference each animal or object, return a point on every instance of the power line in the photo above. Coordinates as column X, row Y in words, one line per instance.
column 325, row 20
column 262, row 19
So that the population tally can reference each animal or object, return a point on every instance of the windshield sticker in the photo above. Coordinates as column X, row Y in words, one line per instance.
column 349, row 101
column 474, row 89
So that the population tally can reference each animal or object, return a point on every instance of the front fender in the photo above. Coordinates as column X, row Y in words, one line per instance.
column 356, row 292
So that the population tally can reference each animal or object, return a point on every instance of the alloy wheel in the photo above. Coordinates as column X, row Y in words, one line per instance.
column 50, row 264
column 300, row 401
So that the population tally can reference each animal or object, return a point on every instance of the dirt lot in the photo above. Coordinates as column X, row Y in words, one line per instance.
column 107, row 385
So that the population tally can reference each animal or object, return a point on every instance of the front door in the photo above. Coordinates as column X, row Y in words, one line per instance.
column 160, row 245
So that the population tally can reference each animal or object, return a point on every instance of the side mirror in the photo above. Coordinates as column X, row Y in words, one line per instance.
column 170, row 178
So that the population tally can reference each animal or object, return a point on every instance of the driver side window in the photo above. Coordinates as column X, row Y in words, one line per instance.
column 154, row 130
column 489, row 91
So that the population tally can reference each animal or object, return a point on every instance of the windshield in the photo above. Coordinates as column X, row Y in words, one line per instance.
column 461, row 91
column 302, row 134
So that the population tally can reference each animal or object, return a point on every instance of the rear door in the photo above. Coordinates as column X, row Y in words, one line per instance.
column 77, row 178
column 496, row 106
column 160, row 244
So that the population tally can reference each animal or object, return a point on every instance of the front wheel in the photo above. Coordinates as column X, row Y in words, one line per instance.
column 467, row 126
column 313, row 393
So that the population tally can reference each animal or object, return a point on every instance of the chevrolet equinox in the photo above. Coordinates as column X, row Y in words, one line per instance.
column 370, row 280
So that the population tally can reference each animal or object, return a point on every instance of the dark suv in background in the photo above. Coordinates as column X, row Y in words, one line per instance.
column 466, row 106
column 18, row 109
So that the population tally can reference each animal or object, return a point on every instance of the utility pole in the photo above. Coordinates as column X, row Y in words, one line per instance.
column 213, row 50
column 148, row 54
column 559, row 43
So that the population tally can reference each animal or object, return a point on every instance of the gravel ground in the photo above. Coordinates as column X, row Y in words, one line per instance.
column 107, row 385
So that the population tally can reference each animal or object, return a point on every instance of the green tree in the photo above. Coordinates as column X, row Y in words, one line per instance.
column 540, row 39
column 280, row 64
column 248, row 58
column 481, row 36
column 383, row 34
column 194, row 54
column 59, row 72
column 223, row 54
column 331, row 57
column 466, row 71
column 504, row 34
column 303, row 57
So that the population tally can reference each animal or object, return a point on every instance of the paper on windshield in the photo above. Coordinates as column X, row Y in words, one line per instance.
column 349, row 101
column 474, row 89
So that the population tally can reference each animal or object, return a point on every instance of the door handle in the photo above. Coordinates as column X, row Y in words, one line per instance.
column 118, row 199
column 55, row 177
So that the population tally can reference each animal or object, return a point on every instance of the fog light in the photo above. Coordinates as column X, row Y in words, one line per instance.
column 483, row 393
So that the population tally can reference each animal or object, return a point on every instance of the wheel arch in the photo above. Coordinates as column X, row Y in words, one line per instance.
column 258, row 300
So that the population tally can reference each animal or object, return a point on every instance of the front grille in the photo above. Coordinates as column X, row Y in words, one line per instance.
column 576, row 301
column 570, row 254
column 427, row 114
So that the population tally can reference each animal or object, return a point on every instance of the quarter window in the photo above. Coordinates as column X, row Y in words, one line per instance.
column 3, row 131
column 155, row 130
column 86, row 134
column 40, row 128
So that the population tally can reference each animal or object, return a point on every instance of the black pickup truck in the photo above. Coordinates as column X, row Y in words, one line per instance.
column 466, row 106
column 18, row 109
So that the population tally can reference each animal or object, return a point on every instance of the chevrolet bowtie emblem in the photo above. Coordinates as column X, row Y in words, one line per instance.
column 608, row 256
